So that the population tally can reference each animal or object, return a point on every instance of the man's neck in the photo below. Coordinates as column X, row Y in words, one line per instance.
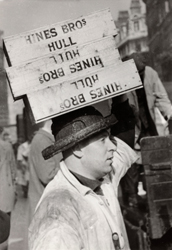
column 75, row 166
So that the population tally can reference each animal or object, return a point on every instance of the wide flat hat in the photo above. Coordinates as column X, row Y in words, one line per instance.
column 73, row 127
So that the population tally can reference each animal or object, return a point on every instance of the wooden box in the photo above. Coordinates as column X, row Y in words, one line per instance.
column 157, row 161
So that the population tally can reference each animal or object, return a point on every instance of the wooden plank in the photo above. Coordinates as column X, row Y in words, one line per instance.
column 159, row 197
column 157, row 160
column 57, row 68
column 56, row 37
column 93, row 88
column 156, row 142
column 158, row 190
column 156, row 149
column 156, row 156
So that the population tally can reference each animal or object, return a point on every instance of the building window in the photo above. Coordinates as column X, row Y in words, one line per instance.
column 170, row 2
column 167, row 6
column 124, row 31
column 136, row 26
column 127, row 49
column 138, row 46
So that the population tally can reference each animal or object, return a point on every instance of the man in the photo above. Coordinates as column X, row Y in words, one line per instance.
column 23, row 166
column 145, row 101
column 41, row 171
column 79, row 208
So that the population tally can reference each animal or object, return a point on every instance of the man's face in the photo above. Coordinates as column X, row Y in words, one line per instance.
column 98, row 155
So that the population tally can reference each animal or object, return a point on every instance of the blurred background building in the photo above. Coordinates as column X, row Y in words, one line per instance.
column 149, row 31
column 159, row 23
column 12, row 117
column 132, row 30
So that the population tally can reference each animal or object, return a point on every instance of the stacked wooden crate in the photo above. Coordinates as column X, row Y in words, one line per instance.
column 68, row 65
column 157, row 161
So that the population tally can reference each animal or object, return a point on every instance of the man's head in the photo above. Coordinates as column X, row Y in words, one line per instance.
column 95, row 154
column 83, row 133
column 6, row 136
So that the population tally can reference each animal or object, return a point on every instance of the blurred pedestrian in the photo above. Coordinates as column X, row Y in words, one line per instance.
column 7, row 176
column 41, row 171
column 79, row 208
column 23, row 166
column 6, row 137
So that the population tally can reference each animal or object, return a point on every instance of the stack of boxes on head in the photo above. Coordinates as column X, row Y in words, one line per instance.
column 68, row 65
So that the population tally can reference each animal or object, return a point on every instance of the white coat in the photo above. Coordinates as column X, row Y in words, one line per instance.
column 70, row 216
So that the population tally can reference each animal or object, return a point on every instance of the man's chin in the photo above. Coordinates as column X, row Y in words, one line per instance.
column 109, row 169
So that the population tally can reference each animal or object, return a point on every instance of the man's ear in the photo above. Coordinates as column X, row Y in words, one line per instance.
column 77, row 151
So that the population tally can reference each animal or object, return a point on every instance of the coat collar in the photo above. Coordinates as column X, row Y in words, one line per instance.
column 93, row 184
column 73, row 180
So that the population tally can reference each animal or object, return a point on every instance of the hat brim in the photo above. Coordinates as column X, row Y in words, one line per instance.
column 69, row 141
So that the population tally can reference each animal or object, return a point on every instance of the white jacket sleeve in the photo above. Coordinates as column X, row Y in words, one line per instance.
column 124, row 157
column 154, row 87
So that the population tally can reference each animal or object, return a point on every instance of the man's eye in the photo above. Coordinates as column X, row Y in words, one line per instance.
column 103, row 139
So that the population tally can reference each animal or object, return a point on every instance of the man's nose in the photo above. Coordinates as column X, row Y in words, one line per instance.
column 112, row 144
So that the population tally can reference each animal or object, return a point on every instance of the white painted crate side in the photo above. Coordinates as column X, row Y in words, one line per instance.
column 56, row 68
column 57, row 100
column 18, row 48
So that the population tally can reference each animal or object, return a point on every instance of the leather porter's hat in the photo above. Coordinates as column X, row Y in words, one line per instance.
column 73, row 127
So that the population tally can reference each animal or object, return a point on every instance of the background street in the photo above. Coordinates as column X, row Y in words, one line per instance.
column 18, row 235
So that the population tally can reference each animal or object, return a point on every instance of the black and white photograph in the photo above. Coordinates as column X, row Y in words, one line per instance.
column 85, row 124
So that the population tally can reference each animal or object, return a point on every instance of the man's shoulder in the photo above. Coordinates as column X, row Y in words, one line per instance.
column 41, row 133
column 42, row 136
column 56, row 203
column 150, row 71
column 58, row 210
column 62, row 194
